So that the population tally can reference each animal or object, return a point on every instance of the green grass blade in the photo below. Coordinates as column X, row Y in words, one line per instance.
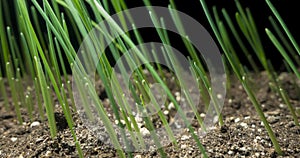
column 242, row 78
column 39, row 99
column 284, row 40
column 283, row 52
column 46, row 96
column 285, row 28
column 239, row 40
column 14, row 91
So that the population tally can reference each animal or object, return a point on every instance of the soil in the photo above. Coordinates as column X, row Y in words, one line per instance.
column 242, row 135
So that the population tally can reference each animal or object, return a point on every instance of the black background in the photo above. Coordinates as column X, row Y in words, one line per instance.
column 289, row 11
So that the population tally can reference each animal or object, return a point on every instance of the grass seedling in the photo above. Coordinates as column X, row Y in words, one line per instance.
column 38, row 27
column 190, row 49
column 3, row 91
column 293, row 67
column 235, row 66
column 4, row 43
column 239, row 40
column 14, row 92
column 284, row 41
column 294, row 79
column 149, row 67
column 39, row 99
column 283, row 25
column 211, row 93
column 40, row 57
column 20, row 87
column 283, row 52
column 46, row 96
column 29, row 104
column 28, row 59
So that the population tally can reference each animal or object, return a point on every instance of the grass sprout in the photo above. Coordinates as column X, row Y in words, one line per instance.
column 35, row 62
column 220, row 33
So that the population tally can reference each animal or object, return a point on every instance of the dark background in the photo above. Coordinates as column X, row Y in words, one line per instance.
column 289, row 11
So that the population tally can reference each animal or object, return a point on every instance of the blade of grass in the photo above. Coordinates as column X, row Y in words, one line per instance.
column 3, row 92
column 239, row 40
column 47, row 97
column 14, row 92
column 282, row 52
column 38, row 27
column 283, row 25
column 3, row 37
column 29, row 105
column 284, row 40
column 242, row 78
column 28, row 59
column 38, row 98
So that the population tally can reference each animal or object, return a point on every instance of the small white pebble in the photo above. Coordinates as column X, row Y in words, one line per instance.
column 48, row 154
column 145, row 131
column 237, row 120
column 281, row 105
column 257, row 154
column 177, row 94
column 230, row 152
column 255, row 140
column 138, row 119
column 171, row 106
column 178, row 98
column 270, row 144
column 253, row 126
column 13, row 139
column 166, row 112
column 215, row 119
column 243, row 149
column 183, row 146
column 202, row 115
column 258, row 138
column 123, row 122
column 229, row 101
column 34, row 124
column 184, row 137
column 243, row 124
column 138, row 156
column 177, row 125
column 219, row 96
column 247, row 117
column 259, row 130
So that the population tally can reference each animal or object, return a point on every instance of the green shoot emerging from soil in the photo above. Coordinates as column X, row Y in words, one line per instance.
column 36, row 55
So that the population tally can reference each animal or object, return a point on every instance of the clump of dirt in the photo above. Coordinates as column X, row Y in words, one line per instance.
column 242, row 135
